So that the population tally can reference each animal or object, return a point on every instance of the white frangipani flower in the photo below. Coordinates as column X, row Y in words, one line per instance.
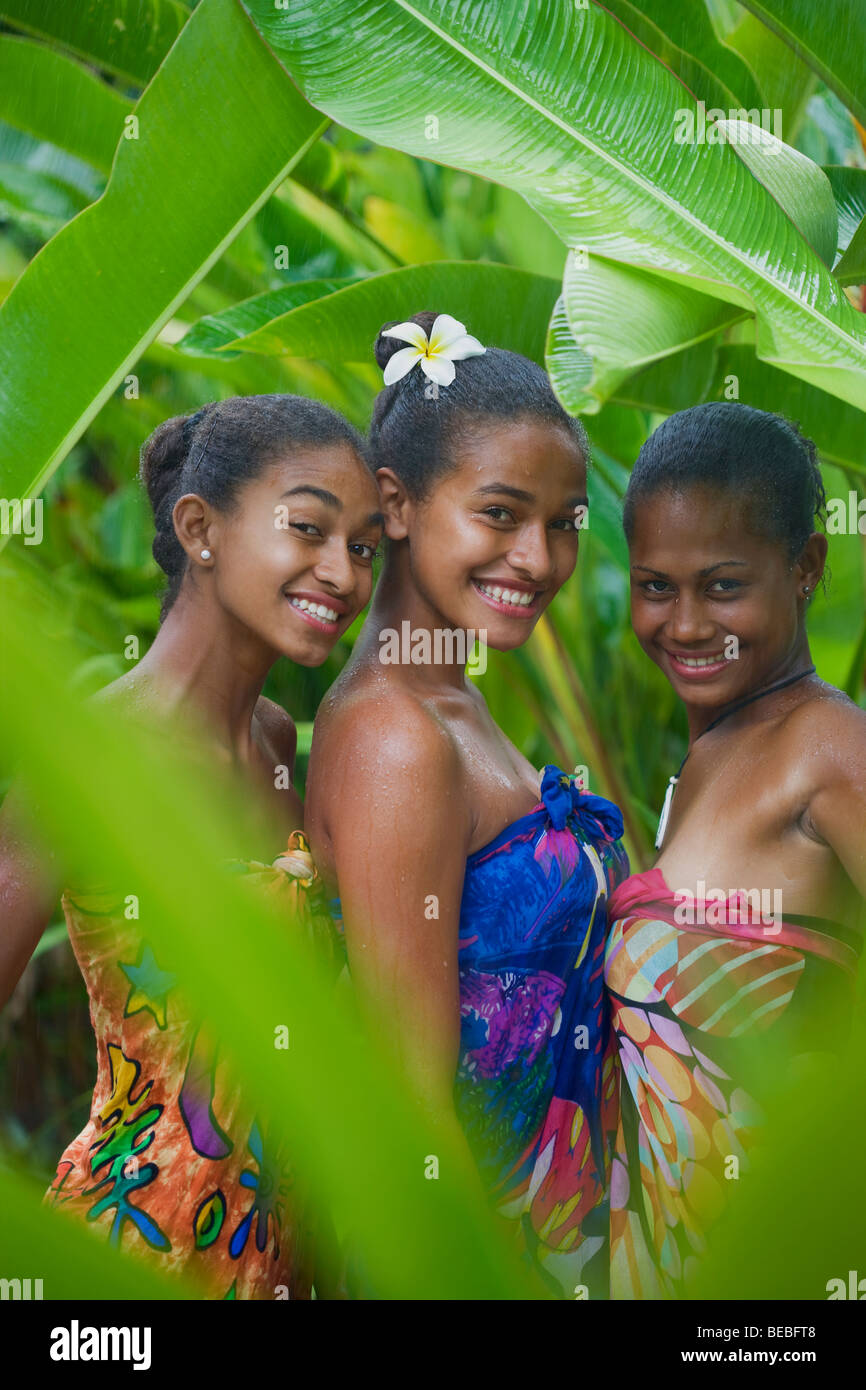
column 448, row 343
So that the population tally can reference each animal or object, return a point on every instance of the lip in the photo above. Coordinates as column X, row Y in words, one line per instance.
column 508, row 609
column 696, row 673
column 312, row 619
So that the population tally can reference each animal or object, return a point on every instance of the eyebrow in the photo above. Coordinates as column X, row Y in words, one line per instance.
column 702, row 574
column 520, row 495
column 327, row 497
column 374, row 519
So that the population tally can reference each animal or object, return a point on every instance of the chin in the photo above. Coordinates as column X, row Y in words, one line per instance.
column 312, row 655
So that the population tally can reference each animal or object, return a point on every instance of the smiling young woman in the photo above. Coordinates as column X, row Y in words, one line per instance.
column 768, row 805
column 267, row 518
column 472, row 891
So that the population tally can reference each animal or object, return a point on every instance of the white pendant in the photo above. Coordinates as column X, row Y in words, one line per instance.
column 666, row 810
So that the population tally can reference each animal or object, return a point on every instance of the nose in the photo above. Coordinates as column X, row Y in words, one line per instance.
column 530, row 553
column 690, row 623
column 334, row 566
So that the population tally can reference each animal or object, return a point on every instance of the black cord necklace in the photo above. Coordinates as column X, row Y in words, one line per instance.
column 740, row 704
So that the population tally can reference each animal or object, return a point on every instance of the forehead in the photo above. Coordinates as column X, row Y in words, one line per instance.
column 335, row 468
column 525, row 453
column 691, row 529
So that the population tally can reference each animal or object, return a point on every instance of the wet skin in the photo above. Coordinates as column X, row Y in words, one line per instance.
column 231, row 621
column 409, row 774
column 775, row 796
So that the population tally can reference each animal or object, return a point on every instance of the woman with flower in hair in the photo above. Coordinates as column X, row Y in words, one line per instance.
column 735, row 955
column 267, row 519
column 472, row 888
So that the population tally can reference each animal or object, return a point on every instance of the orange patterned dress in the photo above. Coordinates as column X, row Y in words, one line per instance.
column 172, row 1163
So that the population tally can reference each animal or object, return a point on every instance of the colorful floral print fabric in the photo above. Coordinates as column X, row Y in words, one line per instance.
column 171, row 1161
column 536, row 1087
column 694, row 1002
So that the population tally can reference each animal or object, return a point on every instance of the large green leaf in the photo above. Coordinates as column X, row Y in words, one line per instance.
column 525, row 104
column 615, row 319
column 677, row 382
column 57, row 99
column 849, row 190
column 839, row 430
column 92, row 300
column 681, row 36
column 36, row 201
column 217, row 335
column 499, row 304
column 127, row 37
column 592, row 351
column 800, row 187
column 731, row 371
column 786, row 83
column 831, row 38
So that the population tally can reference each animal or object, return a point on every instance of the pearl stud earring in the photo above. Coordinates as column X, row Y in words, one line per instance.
column 205, row 555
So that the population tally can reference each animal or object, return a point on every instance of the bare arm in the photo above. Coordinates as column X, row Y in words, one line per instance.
column 391, row 797
column 28, row 892
column 837, row 808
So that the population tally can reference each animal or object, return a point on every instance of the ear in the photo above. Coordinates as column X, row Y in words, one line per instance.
column 193, row 520
column 809, row 568
column 396, row 504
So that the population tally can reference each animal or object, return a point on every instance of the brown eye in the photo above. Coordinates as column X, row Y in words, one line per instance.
column 371, row 551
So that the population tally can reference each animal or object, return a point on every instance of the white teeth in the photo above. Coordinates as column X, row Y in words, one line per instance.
column 518, row 597
column 317, row 609
column 700, row 660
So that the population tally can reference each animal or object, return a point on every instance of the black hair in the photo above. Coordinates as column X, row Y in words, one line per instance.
column 219, row 448
column 417, row 426
column 732, row 447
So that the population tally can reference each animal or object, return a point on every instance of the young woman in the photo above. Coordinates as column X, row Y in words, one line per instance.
column 267, row 518
column 472, row 897
column 738, row 949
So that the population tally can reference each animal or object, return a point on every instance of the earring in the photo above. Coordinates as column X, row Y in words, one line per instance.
column 205, row 555
column 806, row 591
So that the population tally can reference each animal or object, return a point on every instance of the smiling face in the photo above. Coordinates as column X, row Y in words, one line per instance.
column 292, row 560
column 497, row 536
column 699, row 579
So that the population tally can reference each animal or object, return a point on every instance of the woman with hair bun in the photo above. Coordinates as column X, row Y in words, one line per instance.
column 267, row 520
column 738, row 949
column 472, row 889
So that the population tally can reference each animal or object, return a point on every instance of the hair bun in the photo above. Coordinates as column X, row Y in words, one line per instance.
column 165, row 452
column 162, row 456
column 384, row 347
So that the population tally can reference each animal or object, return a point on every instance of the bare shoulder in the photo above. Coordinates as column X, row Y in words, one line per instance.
column 374, row 730
column 279, row 730
column 120, row 693
column 827, row 733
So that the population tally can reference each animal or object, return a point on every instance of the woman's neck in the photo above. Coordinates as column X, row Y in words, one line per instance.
column 397, row 601
column 205, row 662
column 700, row 717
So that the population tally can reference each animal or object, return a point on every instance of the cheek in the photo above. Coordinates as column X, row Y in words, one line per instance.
column 641, row 614
column 257, row 562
